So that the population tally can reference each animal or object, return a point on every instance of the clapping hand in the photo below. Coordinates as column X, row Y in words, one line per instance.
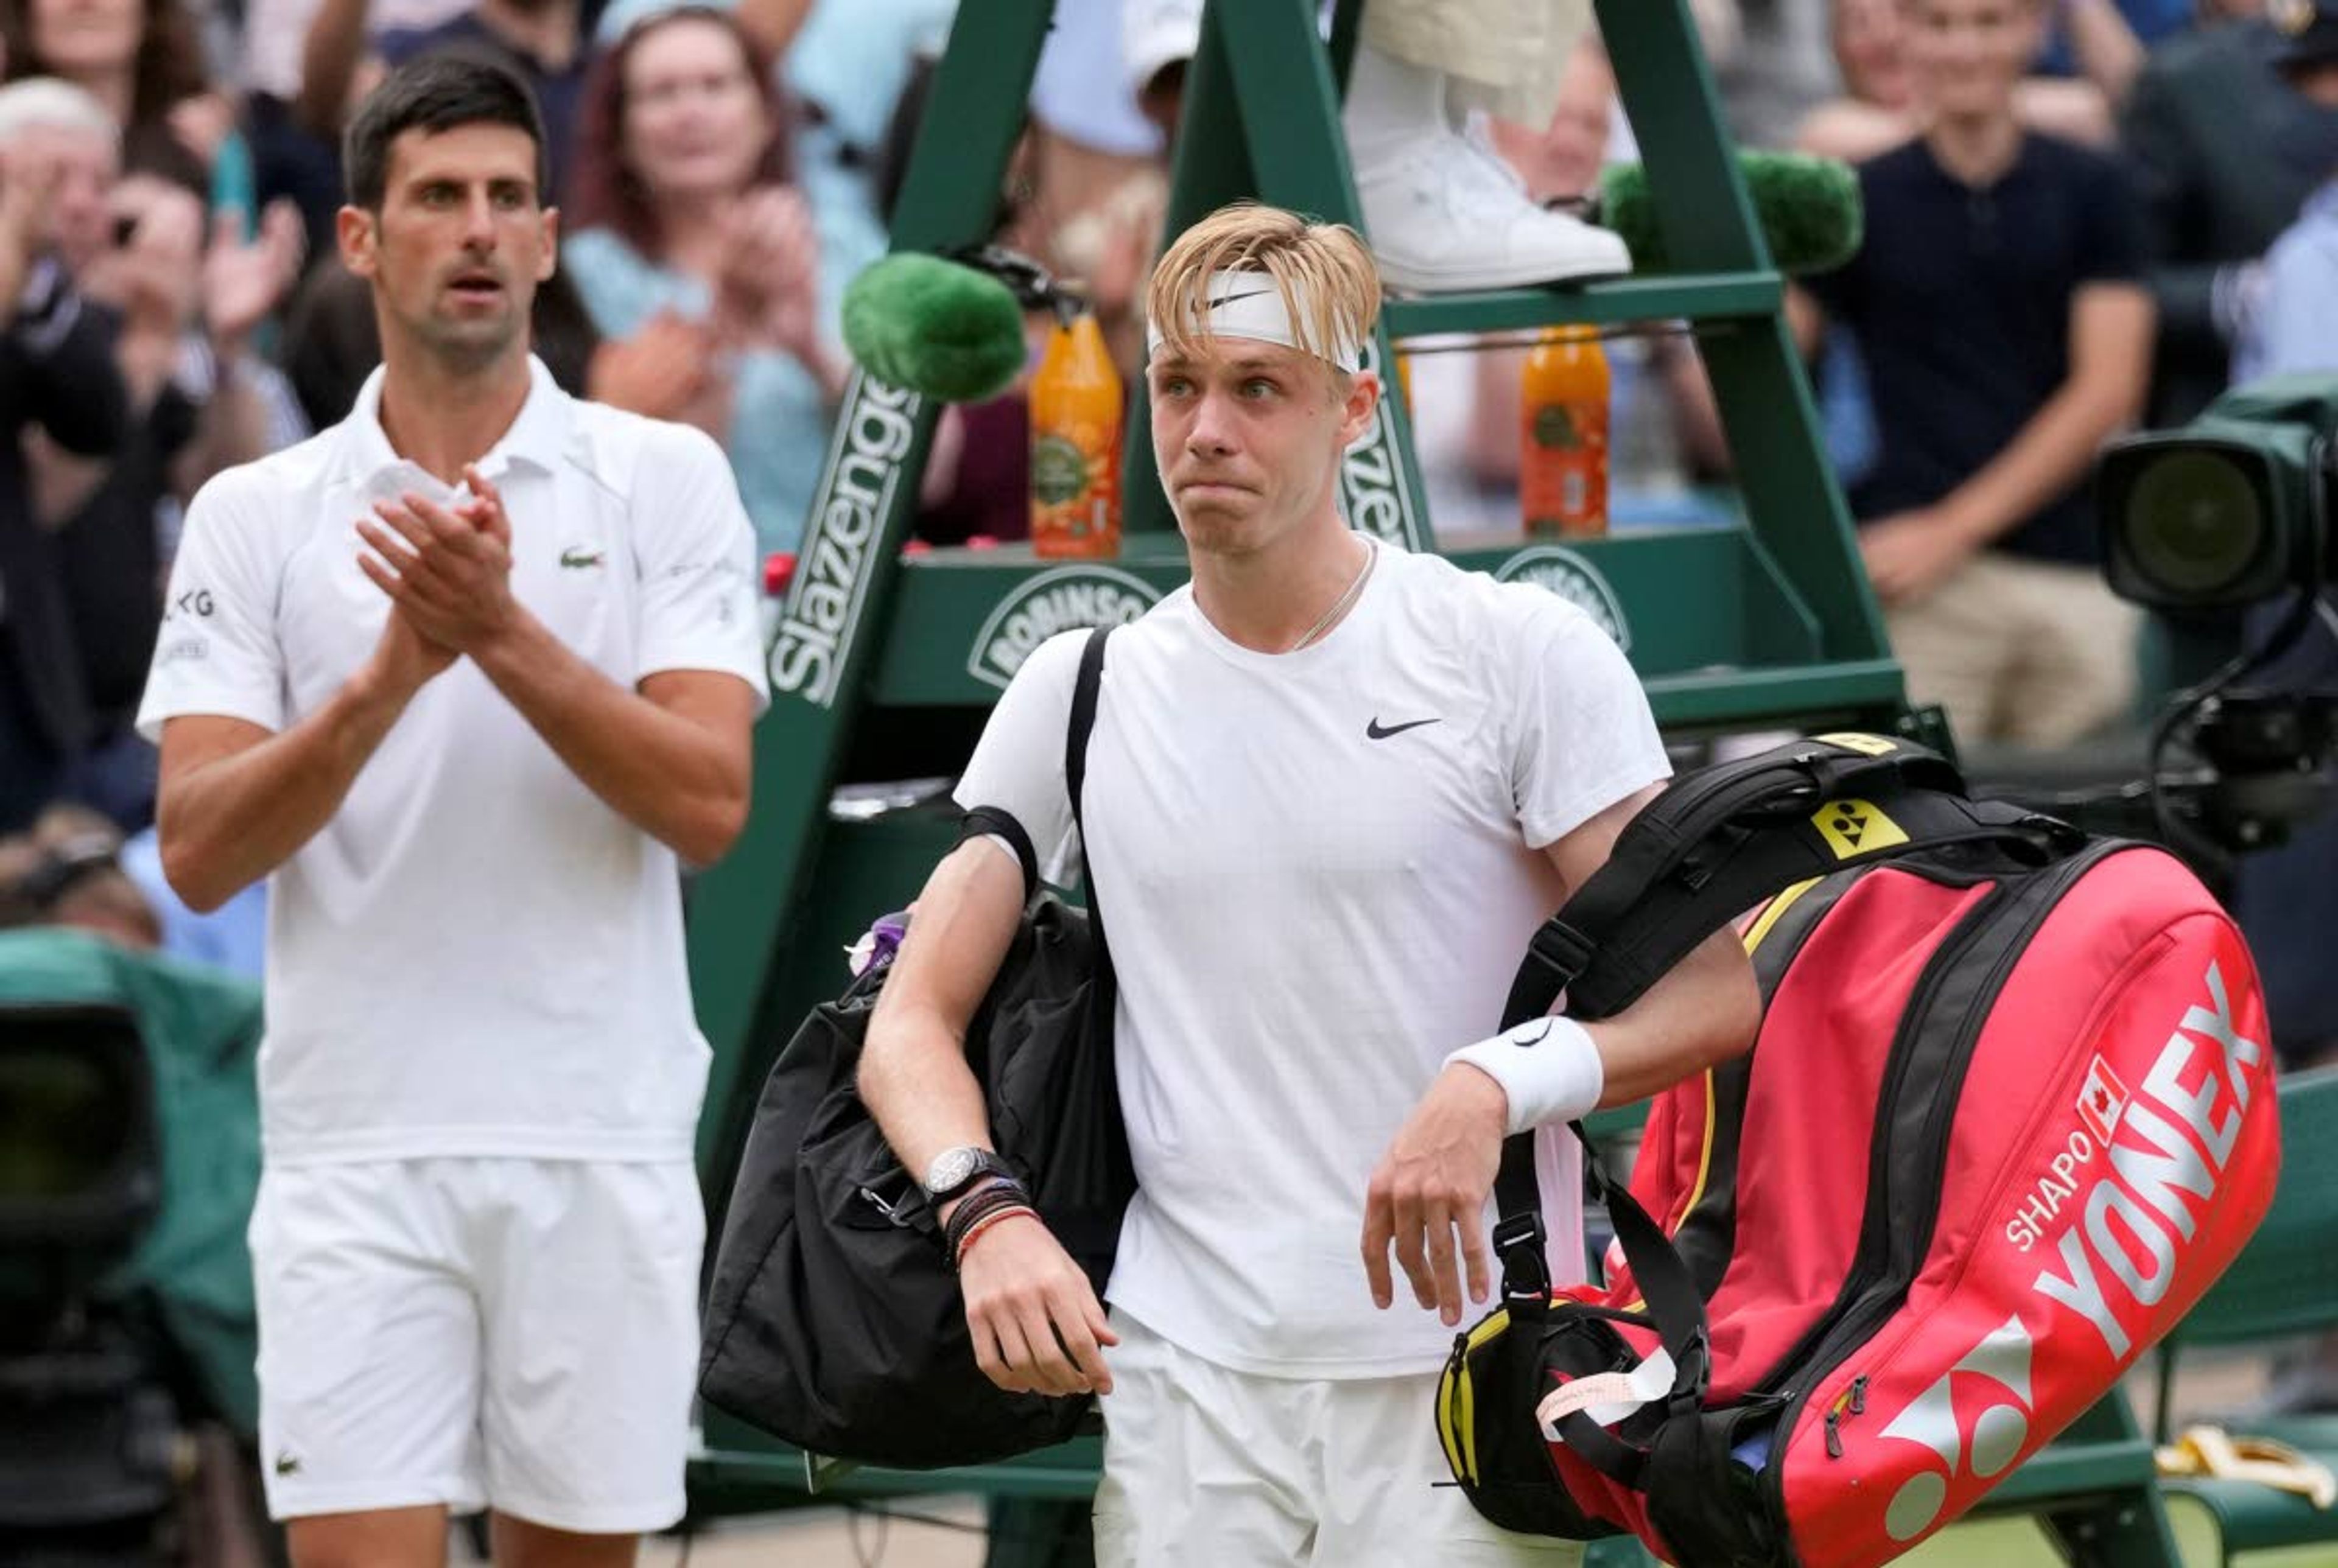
column 447, row 569
column 767, row 295
column 245, row 280
column 154, row 276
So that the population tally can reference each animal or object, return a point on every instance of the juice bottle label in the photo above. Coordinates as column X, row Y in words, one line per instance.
column 1562, row 480
column 1075, row 491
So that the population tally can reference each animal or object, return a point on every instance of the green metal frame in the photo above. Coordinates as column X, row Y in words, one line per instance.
column 883, row 666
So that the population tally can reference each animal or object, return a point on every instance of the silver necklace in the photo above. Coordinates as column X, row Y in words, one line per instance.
column 1372, row 556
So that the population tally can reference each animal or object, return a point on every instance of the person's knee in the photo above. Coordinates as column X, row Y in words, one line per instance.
column 377, row 1538
column 524, row 1543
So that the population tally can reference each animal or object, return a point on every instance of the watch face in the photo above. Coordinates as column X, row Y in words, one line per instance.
column 951, row 1168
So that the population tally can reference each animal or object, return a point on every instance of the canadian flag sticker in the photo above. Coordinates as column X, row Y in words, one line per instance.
column 2102, row 1101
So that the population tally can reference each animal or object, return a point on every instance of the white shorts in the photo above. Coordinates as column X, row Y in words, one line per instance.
column 514, row 1334
column 1203, row 1465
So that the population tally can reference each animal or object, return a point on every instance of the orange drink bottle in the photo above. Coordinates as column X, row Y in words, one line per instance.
column 1076, row 415
column 1563, row 435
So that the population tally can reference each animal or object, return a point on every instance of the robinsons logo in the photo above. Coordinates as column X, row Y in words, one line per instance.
column 1572, row 579
column 1054, row 601
column 863, row 474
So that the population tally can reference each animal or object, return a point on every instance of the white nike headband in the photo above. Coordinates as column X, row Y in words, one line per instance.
column 1250, row 305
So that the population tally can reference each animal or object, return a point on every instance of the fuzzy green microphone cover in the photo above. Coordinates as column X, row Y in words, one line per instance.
column 1808, row 208
column 940, row 329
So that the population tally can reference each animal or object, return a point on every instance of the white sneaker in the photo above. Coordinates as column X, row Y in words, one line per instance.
column 1156, row 35
column 1444, row 214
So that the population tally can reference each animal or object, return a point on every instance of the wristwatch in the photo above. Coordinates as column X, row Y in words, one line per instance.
column 956, row 1170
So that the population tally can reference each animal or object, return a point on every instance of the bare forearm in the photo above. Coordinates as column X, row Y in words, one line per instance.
column 775, row 22
column 1706, row 1011
column 329, row 60
column 2051, row 453
column 229, row 822
column 914, row 1076
column 146, row 359
column 659, row 771
column 2107, row 51
column 915, row 1082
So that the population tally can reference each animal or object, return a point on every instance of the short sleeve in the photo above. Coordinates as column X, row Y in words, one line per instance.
column 216, row 652
column 1018, row 765
column 1580, row 734
column 697, row 555
column 2114, row 249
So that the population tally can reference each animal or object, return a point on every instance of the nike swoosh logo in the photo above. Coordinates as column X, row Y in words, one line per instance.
column 1223, row 299
column 1375, row 730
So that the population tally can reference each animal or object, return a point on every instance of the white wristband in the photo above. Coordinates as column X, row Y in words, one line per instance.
column 1547, row 1067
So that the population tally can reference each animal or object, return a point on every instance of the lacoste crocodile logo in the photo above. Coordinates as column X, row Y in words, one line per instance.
column 577, row 556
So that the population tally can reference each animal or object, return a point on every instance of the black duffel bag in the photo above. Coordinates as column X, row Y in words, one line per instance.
column 834, row 1320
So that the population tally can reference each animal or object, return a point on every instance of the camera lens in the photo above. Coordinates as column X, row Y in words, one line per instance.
column 2194, row 523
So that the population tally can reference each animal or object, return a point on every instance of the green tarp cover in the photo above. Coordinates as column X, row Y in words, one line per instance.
column 202, row 1029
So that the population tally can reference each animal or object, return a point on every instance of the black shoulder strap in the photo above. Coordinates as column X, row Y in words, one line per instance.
column 1083, row 709
column 1084, row 691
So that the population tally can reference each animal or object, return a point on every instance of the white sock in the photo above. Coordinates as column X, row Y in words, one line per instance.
column 1391, row 105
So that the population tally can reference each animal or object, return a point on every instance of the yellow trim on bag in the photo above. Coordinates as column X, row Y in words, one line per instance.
column 1753, row 939
column 1445, row 1387
column 1776, row 909
column 1860, row 742
column 1495, row 1325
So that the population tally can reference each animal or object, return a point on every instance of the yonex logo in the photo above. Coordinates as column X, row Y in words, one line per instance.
column 1995, row 1438
column 1855, row 826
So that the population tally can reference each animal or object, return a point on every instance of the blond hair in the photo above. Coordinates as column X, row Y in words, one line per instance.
column 1326, row 265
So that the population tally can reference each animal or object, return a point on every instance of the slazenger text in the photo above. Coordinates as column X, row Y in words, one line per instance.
column 864, row 471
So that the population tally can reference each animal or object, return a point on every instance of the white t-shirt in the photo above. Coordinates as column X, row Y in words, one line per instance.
column 476, row 955
column 1319, row 872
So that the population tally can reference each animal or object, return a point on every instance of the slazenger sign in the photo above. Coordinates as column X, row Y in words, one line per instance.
column 1372, row 490
column 1572, row 579
column 862, row 475
column 1050, row 602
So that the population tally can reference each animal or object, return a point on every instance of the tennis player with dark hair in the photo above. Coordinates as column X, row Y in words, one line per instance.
column 469, row 676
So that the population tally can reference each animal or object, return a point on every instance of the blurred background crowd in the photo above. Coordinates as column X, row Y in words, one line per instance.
column 169, row 178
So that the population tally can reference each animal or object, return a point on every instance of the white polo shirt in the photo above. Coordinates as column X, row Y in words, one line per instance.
column 476, row 955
